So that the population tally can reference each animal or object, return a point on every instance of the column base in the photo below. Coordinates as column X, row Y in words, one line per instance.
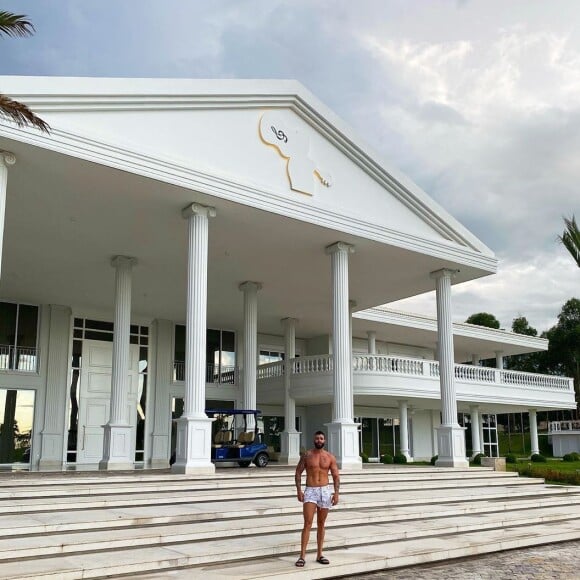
column 451, row 445
column 290, row 444
column 117, row 448
column 343, row 444
column 51, row 451
column 193, row 449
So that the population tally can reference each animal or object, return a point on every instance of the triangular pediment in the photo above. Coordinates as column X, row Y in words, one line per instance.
column 270, row 141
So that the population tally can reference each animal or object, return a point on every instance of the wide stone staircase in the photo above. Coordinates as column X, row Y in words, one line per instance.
column 245, row 523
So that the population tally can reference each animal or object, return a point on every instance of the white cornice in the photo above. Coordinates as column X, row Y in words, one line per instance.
column 423, row 322
column 88, row 94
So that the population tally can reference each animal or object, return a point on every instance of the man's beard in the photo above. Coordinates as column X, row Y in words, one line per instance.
column 318, row 445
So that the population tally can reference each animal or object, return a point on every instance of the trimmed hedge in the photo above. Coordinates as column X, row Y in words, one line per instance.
column 400, row 459
column 571, row 456
column 477, row 459
column 538, row 458
column 387, row 459
column 364, row 457
column 550, row 475
column 434, row 459
column 511, row 458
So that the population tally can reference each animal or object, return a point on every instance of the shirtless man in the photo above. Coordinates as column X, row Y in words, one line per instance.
column 316, row 496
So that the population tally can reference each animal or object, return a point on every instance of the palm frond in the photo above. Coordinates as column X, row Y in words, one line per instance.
column 15, row 24
column 571, row 238
column 21, row 114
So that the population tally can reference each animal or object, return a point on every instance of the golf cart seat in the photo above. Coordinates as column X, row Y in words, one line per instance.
column 222, row 438
column 245, row 438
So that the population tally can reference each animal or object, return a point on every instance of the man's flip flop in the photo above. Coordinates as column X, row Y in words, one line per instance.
column 323, row 560
column 300, row 563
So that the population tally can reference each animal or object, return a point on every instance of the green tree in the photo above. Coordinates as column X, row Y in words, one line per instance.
column 531, row 362
column 563, row 356
column 571, row 238
column 17, row 25
column 483, row 319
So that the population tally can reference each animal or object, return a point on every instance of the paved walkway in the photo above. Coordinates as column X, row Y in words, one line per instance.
column 551, row 562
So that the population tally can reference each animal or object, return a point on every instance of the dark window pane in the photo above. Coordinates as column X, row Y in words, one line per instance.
column 145, row 330
column 134, row 339
column 144, row 341
column 93, row 335
column 27, row 325
column 179, row 352
column 77, row 353
column 213, row 353
column 134, row 329
column 99, row 325
column 77, row 333
column 79, row 322
column 7, row 323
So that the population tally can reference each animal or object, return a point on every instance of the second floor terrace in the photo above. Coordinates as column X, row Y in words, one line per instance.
column 411, row 378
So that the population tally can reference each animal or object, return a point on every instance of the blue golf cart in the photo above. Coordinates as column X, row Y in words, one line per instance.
column 233, row 442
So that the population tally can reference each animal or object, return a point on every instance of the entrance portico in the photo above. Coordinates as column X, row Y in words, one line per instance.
column 121, row 153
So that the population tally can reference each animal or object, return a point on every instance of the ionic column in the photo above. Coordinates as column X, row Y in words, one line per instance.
column 117, row 443
column 6, row 160
column 534, row 432
column 290, row 438
column 450, row 436
column 342, row 432
column 403, row 428
column 475, row 427
column 250, row 356
column 481, row 436
column 372, row 341
column 193, row 449
column 499, row 359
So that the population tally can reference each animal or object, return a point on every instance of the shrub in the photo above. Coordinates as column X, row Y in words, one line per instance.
column 434, row 459
column 387, row 459
column 364, row 457
column 511, row 458
column 537, row 458
column 400, row 459
column 571, row 456
column 477, row 459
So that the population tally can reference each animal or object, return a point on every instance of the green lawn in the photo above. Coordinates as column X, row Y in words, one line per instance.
column 553, row 471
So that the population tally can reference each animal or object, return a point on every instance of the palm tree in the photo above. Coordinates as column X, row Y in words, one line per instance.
column 571, row 238
column 17, row 25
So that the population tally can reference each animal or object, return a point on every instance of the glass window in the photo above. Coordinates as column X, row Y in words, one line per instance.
column 18, row 336
column 270, row 356
column 17, row 417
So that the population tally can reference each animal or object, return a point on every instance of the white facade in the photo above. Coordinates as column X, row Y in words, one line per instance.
column 288, row 217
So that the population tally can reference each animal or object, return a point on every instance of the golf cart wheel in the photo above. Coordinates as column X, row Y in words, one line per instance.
column 244, row 463
column 261, row 460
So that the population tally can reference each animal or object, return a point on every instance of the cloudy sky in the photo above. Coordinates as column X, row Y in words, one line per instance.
column 478, row 101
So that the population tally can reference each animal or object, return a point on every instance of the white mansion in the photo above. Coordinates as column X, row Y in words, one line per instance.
column 177, row 245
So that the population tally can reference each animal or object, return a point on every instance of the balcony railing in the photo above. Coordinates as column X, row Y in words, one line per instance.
column 392, row 365
column 563, row 426
column 18, row 358
column 216, row 374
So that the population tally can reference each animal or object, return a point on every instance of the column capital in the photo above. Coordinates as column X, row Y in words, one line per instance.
column 7, row 158
column 339, row 247
column 198, row 209
column 249, row 286
column 289, row 321
column 444, row 272
column 123, row 262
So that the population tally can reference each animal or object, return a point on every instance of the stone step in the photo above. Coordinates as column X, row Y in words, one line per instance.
column 228, row 478
column 418, row 524
column 240, row 486
column 346, row 562
column 403, row 541
column 272, row 499
column 449, row 503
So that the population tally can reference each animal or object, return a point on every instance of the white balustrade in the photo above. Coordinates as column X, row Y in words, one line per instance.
column 18, row 358
column 559, row 426
column 384, row 364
